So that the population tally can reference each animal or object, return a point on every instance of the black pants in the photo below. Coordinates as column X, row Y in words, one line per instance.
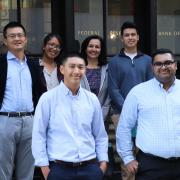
column 153, row 168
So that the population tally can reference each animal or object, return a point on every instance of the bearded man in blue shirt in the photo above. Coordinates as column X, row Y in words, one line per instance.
column 153, row 107
column 69, row 139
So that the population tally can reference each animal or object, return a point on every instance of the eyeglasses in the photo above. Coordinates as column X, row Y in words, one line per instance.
column 13, row 36
column 51, row 46
column 167, row 64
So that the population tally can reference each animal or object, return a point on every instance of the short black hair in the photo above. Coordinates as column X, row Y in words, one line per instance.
column 162, row 51
column 71, row 55
column 13, row 24
column 102, row 60
column 127, row 25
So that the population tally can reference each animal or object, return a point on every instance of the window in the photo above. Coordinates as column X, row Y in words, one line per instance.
column 118, row 11
column 36, row 17
column 8, row 12
column 88, row 18
column 168, row 25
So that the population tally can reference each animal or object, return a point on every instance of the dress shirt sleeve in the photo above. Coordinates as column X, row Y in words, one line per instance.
column 113, row 85
column 99, row 133
column 127, row 122
column 39, row 135
column 38, row 88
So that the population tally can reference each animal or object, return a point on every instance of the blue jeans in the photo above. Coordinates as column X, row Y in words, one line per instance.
column 88, row 172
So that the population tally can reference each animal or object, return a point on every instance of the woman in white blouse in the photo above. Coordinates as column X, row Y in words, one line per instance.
column 51, row 76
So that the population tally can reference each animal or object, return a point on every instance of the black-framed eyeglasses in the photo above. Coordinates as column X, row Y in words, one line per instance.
column 167, row 63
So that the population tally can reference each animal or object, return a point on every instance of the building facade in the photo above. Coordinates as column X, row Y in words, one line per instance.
column 158, row 21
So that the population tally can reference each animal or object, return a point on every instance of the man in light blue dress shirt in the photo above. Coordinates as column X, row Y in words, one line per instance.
column 154, row 106
column 69, row 139
column 20, row 89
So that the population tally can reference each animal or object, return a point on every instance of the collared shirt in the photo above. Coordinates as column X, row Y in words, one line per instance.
column 68, row 127
column 156, row 112
column 18, row 92
column 50, row 77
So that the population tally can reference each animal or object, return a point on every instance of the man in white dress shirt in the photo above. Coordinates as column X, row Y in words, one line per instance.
column 69, row 139
column 154, row 106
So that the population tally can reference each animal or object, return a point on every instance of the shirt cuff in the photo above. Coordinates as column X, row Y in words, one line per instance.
column 103, row 157
column 128, row 159
column 42, row 162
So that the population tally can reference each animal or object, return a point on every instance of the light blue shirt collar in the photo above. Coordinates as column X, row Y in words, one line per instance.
column 74, row 121
column 11, row 56
column 161, row 85
column 66, row 91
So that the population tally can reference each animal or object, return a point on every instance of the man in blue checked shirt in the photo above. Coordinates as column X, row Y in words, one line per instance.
column 153, row 106
column 69, row 139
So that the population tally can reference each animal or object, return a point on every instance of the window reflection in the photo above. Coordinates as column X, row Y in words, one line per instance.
column 118, row 11
column 168, row 25
column 36, row 17
column 88, row 18
column 7, row 13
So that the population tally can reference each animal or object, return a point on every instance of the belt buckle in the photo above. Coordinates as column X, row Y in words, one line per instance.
column 77, row 164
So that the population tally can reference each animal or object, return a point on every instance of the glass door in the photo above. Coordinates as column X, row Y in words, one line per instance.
column 118, row 11
column 91, row 17
column 35, row 15
column 88, row 18
column 168, row 25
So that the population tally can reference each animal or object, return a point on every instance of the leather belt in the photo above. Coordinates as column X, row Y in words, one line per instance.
column 16, row 114
column 160, row 158
column 75, row 164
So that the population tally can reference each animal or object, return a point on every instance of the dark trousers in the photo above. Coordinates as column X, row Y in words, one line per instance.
column 87, row 172
column 155, row 168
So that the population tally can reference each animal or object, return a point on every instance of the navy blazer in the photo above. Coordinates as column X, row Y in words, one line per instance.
column 43, row 80
column 37, row 86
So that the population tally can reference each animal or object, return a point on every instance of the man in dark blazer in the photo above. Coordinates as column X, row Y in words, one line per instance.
column 20, row 89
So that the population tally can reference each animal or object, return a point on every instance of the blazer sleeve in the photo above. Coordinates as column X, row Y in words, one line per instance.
column 38, row 87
